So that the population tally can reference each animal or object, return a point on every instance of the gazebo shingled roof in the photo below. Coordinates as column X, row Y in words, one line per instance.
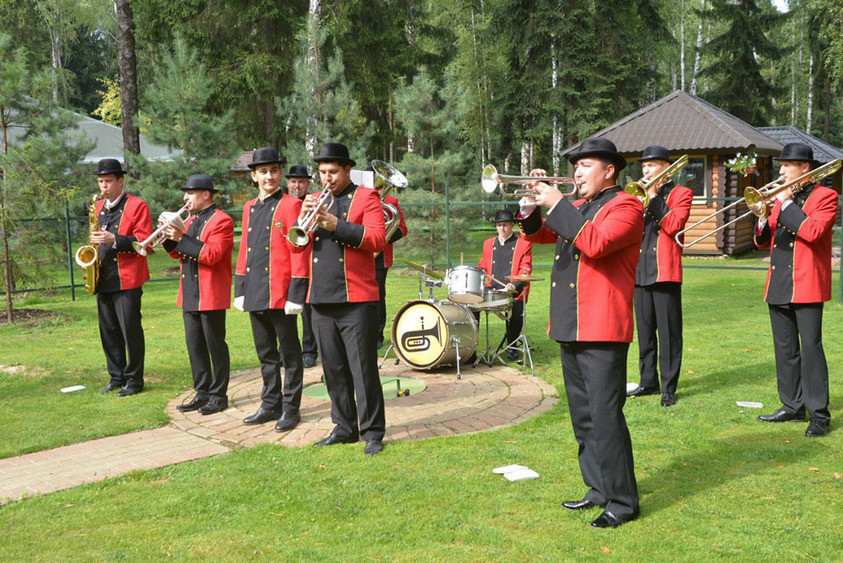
column 823, row 152
column 684, row 124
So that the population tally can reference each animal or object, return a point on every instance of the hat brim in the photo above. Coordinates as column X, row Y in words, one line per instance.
column 642, row 159
column 308, row 176
column 188, row 189
column 107, row 172
column 254, row 165
column 340, row 160
column 614, row 157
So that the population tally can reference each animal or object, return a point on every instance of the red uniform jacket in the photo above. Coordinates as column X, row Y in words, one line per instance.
column 522, row 264
column 135, row 225
column 593, row 277
column 342, row 263
column 661, row 257
column 268, row 274
column 800, row 247
column 400, row 233
column 205, row 261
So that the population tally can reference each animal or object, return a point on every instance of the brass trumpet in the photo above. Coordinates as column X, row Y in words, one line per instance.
column 639, row 188
column 299, row 235
column 166, row 219
column 491, row 181
column 759, row 200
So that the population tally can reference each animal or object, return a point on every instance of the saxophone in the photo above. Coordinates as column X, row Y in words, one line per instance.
column 88, row 256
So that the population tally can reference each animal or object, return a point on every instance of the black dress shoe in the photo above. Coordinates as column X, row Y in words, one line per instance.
column 817, row 428
column 287, row 422
column 373, row 447
column 110, row 387
column 668, row 399
column 609, row 520
column 193, row 405
column 334, row 438
column 579, row 504
column 641, row 391
column 309, row 362
column 512, row 355
column 127, row 390
column 782, row 415
column 263, row 415
column 214, row 406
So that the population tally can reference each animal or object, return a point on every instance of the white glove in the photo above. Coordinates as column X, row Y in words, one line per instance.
column 238, row 302
column 527, row 205
column 292, row 308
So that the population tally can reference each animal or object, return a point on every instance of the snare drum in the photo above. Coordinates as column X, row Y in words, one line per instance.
column 465, row 284
column 494, row 300
column 425, row 333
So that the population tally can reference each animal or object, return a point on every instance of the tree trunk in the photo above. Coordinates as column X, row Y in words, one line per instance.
column 314, row 16
column 810, row 102
column 4, row 232
column 554, row 79
column 698, row 50
column 682, row 46
column 128, row 75
column 827, row 112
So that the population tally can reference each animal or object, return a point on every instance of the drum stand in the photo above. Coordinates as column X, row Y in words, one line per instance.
column 487, row 356
column 519, row 345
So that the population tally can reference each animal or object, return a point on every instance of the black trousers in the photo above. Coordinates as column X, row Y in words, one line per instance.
column 350, row 362
column 277, row 345
column 595, row 382
column 121, row 334
column 204, row 332
column 308, row 340
column 658, row 311
column 801, row 368
column 380, row 275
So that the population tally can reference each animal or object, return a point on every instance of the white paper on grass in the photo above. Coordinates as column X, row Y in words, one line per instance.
column 508, row 469
column 750, row 404
column 522, row 474
column 72, row 388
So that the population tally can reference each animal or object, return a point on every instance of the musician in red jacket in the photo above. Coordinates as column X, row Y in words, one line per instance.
column 384, row 260
column 123, row 219
column 270, row 283
column 508, row 255
column 344, row 295
column 658, row 281
column 798, row 232
column 597, row 245
column 204, row 249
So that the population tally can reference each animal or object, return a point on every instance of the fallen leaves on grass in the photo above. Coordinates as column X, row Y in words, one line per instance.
column 605, row 549
column 813, row 469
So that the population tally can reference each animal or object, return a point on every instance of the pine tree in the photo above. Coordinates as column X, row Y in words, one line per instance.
column 737, row 84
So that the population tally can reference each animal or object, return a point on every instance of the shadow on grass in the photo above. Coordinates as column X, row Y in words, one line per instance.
column 759, row 373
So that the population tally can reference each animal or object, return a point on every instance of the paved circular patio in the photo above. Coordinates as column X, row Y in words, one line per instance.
column 483, row 399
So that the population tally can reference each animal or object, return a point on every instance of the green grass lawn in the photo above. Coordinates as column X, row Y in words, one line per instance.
column 714, row 482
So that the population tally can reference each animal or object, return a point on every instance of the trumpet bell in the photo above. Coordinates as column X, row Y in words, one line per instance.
column 139, row 248
column 298, row 236
column 388, row 176
column 489, row 179
column 639, row 191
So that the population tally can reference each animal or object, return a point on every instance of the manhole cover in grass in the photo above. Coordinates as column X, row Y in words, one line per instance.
column 392, row 387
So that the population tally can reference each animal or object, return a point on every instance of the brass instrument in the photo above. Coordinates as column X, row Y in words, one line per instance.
column 388, row 178
column 639, row 188
column 491, row 181
column 166, row 219
column 299, row 235
column 759, row 200
column 88, row 255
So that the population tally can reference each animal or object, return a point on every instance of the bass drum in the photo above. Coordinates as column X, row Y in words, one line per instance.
column 424, row 333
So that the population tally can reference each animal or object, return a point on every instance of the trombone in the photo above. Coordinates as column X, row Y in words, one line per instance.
column 639, row 188
column 759, row 200
column 491, row 181
column 166, row 219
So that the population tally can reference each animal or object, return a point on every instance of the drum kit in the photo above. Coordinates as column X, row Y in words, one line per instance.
column 430, row 333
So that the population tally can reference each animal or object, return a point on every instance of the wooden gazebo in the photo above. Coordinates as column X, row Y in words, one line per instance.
column 686, row 124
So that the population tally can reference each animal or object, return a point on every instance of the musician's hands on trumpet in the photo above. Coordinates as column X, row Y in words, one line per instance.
column 544, row 194
column 321, row 217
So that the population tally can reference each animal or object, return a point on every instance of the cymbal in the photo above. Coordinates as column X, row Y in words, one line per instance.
column 429, row 272
column 525, row 278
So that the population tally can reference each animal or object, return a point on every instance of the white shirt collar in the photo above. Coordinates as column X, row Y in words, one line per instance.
column 111, row 203
column 502, row 241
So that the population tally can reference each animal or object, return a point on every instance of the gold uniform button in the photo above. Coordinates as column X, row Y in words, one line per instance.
column 250, row 249
column 772, row 267
column 349, row 196
column 791, row 245
column 267, row 227
column 345, row 215
column 553, row 284
column 182, row 276
column 341, row 260
column 572, row 286
column 266, row 269
column 557, row 257
column 576, row 256
column 266, row 248
column 789, row 266
column 248, row 269
column 115, row 259
column 315, row 238
column 654, row 248
column 250, row 229
column 315, row 260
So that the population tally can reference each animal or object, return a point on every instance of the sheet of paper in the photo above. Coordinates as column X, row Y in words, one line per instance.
column 521, row 474
column 508, row 469
column 72, row 388
column 750, row 404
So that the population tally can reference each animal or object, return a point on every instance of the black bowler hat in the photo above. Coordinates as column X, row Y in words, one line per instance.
column 334, row 152
column 298, row 171
column 199, row 182
column 109, row 166
column 503, row 216
column 265, row 155
column 655, row 152
column 601, row 148
column 799, row 152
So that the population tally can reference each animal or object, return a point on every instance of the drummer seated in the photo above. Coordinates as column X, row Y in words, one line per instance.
column 504, row 256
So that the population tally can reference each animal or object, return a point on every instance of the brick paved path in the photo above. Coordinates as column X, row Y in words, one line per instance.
column 485, row 398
